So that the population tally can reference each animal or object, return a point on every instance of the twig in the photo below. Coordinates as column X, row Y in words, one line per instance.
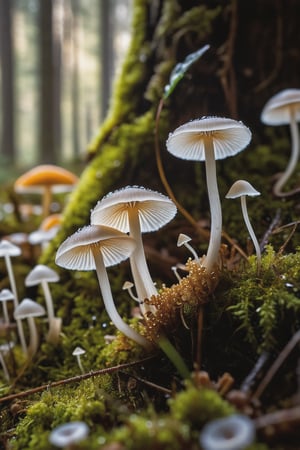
column 281, row 417
column 248, row 382
column 270, row 230
column 276, row 365
column 74, row 379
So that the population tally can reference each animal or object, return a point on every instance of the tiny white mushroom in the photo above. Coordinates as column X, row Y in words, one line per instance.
column 28, row 309
column 175, row 271
column 64, row 436
column 209, row 139
column 78, row 352
column 284, row 109
column 236, row 432
column 7, row 250
column 96, row 247
column 183, row 239
column 127, row 286
column 240, row 189
column 5, row 296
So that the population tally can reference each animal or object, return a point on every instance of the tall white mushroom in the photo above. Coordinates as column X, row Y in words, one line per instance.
column 135, row 210
column 284, row 109
column 28, row 309
column 8, row 250
column 208, row 139
column 96, row 247
column 240, row 189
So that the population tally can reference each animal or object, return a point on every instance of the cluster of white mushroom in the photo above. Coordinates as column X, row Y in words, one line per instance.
column 27, row 309
column 115, row 234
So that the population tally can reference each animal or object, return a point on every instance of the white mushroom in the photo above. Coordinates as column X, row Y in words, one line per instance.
column 183, row 239
column 95, row 248
column 28, row 309
column 241, row 189
column 236, row 432
column 284, row 109
column 44, row 275
column 127, row 286
column 68, row 434
column 78, row 352
column 135, row 210
column 8, row 250
column 208, row 139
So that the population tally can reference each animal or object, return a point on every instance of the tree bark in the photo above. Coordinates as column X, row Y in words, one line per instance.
column 49, row 84
column 8, row 150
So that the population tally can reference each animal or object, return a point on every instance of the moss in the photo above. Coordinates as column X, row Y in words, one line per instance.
column 199, row 406
column 266, row 305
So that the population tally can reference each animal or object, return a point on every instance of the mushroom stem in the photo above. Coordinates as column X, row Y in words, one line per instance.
column 16, row 302
column 142, row 279
column 215, row 207
column 250, row 230
column 294, row 155
column 33, row 337
column 47, row 198
column 110, row 305
column 48, row 300
column 4, row 367
column 79, row 363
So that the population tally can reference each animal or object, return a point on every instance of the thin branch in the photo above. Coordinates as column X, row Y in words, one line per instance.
column 74, row 379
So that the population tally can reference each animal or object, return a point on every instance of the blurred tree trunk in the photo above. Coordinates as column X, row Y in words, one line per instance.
column 50, row 81
column 75, row 80
column 106, row 52
column 254, row 53
column 7, row 83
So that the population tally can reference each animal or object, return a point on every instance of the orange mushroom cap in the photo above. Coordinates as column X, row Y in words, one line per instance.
column 54, row 220
column 58, row 178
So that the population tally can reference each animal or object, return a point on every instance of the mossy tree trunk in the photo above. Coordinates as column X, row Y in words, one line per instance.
column 254, row 53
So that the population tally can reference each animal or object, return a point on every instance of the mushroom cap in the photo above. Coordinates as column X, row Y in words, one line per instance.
column 183, row 239
column 41, row 236
column 7, row 248
column 228, row 136
column 28, row 308
column 76, row 251
column 54, row 220
column 41, row 273
column 58, row 178
column 277, row 110
column 68, row 434
column 240, row 188
column 228, row 433
column 78, row 351
column 154, row 209
column 6, row 295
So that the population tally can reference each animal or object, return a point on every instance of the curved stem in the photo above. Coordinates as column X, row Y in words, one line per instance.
column 215, row 207
column 110, row 305
column 48, row 299
column 142, row 279
column 33, row 340
column 294, row 156
column 250, row 229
